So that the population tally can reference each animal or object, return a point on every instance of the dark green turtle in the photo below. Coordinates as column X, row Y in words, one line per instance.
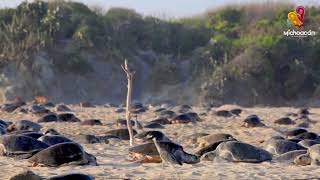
column 24, row 125
column 153, row 125
column 92, row 139
column 62, row 154
column 284, row 121
column 212, row 138
column 211, row 147
column 71, row 176
column 307, row 135
column 307, row 143
column 26, row 175
column 311, row 157
column 279, row 147
column 122, row 134
column 181, row 119
column 166, row 114
column 68, row 117
column 289, row 157
column 293, row 132
column 223, row 113
column 51, row 131
column 92, row 122
column 236, row 111
column 62, row 108
column 145, row 153
column 234, row 151
column 19, row 146
column 53, row 139
column 162, row 121
column 48, row 118
column 252, row 121
column 38, row 110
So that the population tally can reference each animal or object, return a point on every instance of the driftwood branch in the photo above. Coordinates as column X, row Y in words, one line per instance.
column 129, row 74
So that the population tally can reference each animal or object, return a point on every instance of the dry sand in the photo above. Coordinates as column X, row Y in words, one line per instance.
column 113, row 157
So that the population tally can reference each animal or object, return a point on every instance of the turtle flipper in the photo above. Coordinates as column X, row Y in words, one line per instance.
column 23, row 156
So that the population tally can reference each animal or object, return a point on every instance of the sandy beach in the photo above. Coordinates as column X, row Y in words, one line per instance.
column 114, row 162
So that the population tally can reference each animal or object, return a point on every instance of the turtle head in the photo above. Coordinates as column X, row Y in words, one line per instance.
column 209, row 156
column 51, row 132
column 92, row 160
column 303, row 160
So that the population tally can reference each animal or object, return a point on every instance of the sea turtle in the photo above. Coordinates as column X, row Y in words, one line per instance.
column 91, row 122
column 252, row 121
column 20, row 146
column 192, row 139
column 307, row 143
column 284, row 121
column 234, row 151
column 26, row 175
column 294, row 132
column 307, row 135
column 153, row 125
column 162, row 121
column 194, row 116
column 211, row 147
column 38, row 110
column 311, row 157
column 61, row 154
column 182, row 108
column 304, row 124
column 24, row 125
column 49, row 104
column 141, row 152
column 122, row 134
column 223, row 113
column 62, row 108
column 279, row 147
column 236, row 111
column 145, row 153
column 68, row 117
column 167, row 114
column 32, row 134
column 71, row 176
column 51, row 131
column 288, row 157
column 54, row 139
column 92, row 139
column 181, row 119
column 123, row 122
column 48, row 118
column 212, row 138
column 11, row 106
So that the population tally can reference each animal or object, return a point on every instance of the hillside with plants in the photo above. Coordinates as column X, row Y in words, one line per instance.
column 235, row 54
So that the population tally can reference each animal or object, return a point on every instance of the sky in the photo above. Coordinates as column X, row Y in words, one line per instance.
column 166, row 8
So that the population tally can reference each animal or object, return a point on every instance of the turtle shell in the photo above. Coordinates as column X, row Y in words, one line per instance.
column 121, row 133
column 19, row 144
column 54, row 139
column 59, row 154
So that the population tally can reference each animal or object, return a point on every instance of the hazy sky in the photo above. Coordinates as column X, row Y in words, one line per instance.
column 169, row 8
